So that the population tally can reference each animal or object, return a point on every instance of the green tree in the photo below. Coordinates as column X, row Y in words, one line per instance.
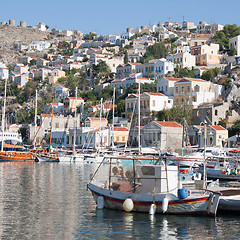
column 235, row 129
column 232, row 52
column 156, row 51
column 126, row 57
column 222, row 37
column 184, row 72
column 210, row 74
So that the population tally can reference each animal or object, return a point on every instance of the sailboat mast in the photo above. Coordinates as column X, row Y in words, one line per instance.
column 51, row 128
column 75, row 124
column 4, row 113
column 35, row 122
column 139, row 133
column 100, row 122
column 113, row 118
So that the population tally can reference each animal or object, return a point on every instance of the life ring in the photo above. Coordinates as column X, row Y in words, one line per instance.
column 128, row 174
column 208, row 159
column 189, row 144
column 223, row 171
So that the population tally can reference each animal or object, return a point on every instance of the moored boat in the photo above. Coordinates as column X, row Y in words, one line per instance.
column 148, row 188
column 16, row 153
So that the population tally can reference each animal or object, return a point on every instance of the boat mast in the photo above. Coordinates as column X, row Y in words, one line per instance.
column 4, row 112
column 50, row 142
column 35, row 123
column 100, row 122
column 113, row 118
column 139, row 133
column 75, row 124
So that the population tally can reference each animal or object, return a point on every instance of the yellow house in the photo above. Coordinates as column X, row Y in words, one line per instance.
column 94, row 122
column 120, row 135
column 194, row 91
column 69, row 103
column 55, row 75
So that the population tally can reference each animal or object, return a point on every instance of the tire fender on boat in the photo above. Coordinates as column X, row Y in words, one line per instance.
column 100, row 202
column 128, row 205
column 164, row 205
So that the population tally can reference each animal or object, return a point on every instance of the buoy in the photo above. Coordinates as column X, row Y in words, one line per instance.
column 128, row 205
column 164, row 205
column 152, row 209
column 100, row 202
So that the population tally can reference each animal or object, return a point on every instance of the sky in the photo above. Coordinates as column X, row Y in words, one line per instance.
column 113, row 17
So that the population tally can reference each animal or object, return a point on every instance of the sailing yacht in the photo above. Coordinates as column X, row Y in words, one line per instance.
column 74, row 155
column 48, row 156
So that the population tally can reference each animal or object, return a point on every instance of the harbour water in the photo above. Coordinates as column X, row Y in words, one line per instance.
column 50, row 201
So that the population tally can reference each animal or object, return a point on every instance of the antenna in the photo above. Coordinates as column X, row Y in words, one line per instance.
column 183, row 19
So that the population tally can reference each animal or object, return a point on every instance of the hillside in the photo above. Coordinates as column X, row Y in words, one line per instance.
column 11, row 35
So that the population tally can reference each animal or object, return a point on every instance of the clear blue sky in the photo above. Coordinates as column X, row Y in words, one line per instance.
column 105, row 16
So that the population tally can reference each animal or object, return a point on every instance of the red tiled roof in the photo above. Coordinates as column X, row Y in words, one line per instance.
column 123, row 129
column 108, row 106
column 46, row 115
column 155, row 94
column 218, row 127
column 172, row 79
column 79, row 98
column 168, row 124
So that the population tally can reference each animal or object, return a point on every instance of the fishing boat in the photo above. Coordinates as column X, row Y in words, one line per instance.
column 223, row 168
column 148, row 188
column 16, row 153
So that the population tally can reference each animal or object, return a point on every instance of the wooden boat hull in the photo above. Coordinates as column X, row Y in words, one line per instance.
column 17, row 156
column 202, row 205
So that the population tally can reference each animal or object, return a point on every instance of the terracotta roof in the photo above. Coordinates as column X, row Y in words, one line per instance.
column 155, row 94
column 172, row 79
column 168, row 124
column 123, row 129
column 218, row 127
column 79, row 98
column 46, row 115
column 108, row 106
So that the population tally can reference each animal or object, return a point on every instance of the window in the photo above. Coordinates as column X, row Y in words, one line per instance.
column 176, row 90
column 117, row 138
column 216, row 112
column 123, row 139
column 188, row 88
column 56, row 125
column 153, row 103
column 182, row 89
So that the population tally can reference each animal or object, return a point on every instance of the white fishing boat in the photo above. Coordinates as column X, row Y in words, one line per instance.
column 223, row 168
column 147, row 188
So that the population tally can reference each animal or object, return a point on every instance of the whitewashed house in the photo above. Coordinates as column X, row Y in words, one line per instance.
column 61, row 92
column 149, row 102
column 39, row 45
column 4, row 73
column 165, row 85
column 162, row 67
column 183, row 60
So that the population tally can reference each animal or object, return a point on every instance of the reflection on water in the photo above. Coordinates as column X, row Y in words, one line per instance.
column 50, row 201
